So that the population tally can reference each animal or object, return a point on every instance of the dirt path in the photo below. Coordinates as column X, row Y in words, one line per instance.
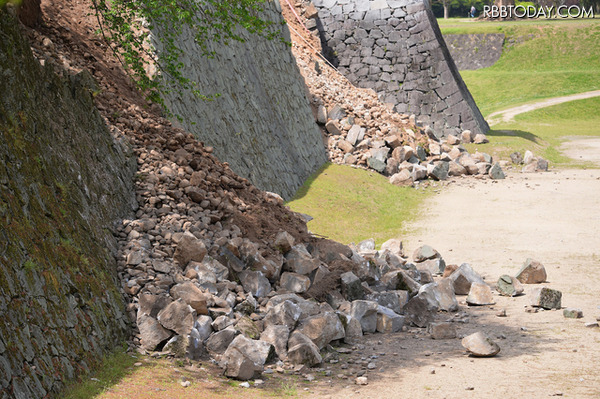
column 553, row 217
column 507, row 115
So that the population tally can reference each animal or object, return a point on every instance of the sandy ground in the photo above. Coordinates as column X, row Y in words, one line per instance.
column 507, row 115
column 553, row 217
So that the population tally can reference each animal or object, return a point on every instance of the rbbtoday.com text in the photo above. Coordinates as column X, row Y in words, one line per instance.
column 511, row 11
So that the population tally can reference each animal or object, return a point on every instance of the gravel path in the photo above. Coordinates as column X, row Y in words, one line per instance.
column 553, row 217
column 508, row 115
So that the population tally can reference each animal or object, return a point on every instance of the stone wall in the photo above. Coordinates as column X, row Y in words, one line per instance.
column 475, row 51
column 261, row 124
column 63, row 180
column 396, row 48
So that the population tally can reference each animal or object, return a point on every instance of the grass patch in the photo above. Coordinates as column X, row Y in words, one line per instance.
column 544, row 130
column 350, row 205
column 113, row 369
column 540, row 59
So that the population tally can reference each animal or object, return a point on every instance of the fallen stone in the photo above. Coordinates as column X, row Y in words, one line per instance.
column 366, row 313
column 480, row 345
column 424, row 253
column 434, row 266
column 178, row 316
column 333, row 127
column 294, row 282
column 509, row 286
column 284, row 241
column 189, row 248
column 463, row 277
column 480, row 139
column 259, row 352
column 299, row 260
column 440, row 171
column 400, row 280
column 442, row 330
column 528, row 157
column 361, row 380
column 516, row 158
column 420, row 310
column 301, row 350
column 345, row 146
column 286, row 313
column 532, row 272
column 239, row 366
column 388, row 321
column 351, row 287
column 322, row 115
column 353, row 134
column 441, row 294
column 546, row 298
column 255, row 283
column 452, row 140
column 571, row 313
column 203, row 327
column 402, row 178
column 376, row 164
column 480, row 294
column 394, row 300
column 322, row 329
column 218, row 342
column 466, row 136
column 152, row 333
column 191, row 295
column 248, row 327
column 277, row 335
column 496, row 172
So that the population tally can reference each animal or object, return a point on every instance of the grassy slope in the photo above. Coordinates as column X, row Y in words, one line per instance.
column 556, row 57
column 544, row 59
column 350, row 205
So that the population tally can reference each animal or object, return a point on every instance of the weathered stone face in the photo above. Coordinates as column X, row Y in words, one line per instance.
column 396, row 49
column 272, row 138
column 63, row 181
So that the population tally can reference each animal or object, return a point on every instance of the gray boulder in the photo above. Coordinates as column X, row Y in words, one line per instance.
column 191, row 295
column 388, row 321
column 440, row 171
column 509, row 286
column 351, row 287
column 218, row 342
column 152, row 333
column 284, row 241
column 322, row 329
column 294, row 282
column 286, row 313
column 463, row 277
column 277, row 335
column 424, row 253
column 259, row 352
column 255, row 283
column 420, row 310
column 442, row 330
column 299, row 260
column 302, row 350
column 400, row 280
column 496, row 172
column 546, row 298
column 366, row 313
column 178, row 316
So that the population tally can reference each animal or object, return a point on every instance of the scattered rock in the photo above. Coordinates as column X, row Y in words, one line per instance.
column 546, row 298
column 509, row 286
column 443, row 330
column 480, row 345
column 480, row 294
column 571, row 313
column 532, row 272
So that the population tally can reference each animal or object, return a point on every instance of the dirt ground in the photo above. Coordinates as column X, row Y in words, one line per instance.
column 553, row 217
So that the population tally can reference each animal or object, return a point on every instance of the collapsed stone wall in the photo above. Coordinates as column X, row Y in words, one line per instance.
column 475, row 51
column 396, row 48
column 63, row 179
column 261, row 122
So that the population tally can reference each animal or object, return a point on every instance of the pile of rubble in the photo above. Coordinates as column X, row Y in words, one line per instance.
column 362, row 131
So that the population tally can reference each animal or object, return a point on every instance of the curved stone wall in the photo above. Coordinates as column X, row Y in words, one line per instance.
column 396, row 48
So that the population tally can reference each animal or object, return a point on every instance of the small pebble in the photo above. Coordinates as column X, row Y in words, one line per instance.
column 245, row 384
column 361, row 381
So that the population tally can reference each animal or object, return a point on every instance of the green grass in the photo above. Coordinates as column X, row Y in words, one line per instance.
column 114, row 368
column 544, row 130
column 350, row 205
column 541, row 59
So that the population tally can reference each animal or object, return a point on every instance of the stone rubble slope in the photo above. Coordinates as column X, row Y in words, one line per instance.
column 213, row 266
column 361, row 131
